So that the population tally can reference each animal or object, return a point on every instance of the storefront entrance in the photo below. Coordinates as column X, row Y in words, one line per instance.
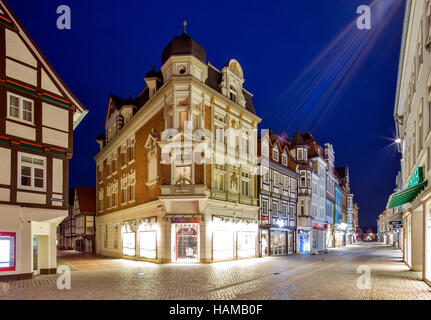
column 246, row 242
column 303, row 241
column 186, row 242
column 278, row 242
column 340, row 238
column 290, row 242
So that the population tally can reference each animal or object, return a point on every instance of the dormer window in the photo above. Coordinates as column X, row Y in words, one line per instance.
column 232, row 93
column 284, row 158
column 275, row 154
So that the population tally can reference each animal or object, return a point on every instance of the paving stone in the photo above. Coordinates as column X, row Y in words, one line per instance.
column 326, row 276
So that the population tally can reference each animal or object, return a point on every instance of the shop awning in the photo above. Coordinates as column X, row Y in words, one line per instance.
column 405, row 196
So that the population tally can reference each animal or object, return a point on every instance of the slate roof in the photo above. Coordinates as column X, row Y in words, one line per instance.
column 184, row 45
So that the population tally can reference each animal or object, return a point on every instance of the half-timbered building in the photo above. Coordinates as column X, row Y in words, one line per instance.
column 38, row 114
column 278, row 185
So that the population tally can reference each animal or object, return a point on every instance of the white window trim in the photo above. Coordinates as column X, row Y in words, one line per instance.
column 20, row 111
column 284, row 158
column 20, row 154
column 275, row 151
column 267, row 208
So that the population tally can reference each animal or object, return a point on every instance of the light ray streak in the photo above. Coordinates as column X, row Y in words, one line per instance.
column 319, row 87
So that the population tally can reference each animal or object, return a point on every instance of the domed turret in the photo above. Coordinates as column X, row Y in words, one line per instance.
column 184, row 45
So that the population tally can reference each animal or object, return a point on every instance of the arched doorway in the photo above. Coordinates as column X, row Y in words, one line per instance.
column 187, row 242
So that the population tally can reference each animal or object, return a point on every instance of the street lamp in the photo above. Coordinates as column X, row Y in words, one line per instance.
column 398, row 140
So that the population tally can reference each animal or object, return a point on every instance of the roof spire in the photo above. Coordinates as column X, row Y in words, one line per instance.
column 185, row 25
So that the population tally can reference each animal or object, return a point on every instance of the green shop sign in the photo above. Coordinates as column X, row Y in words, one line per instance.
column 417, row 177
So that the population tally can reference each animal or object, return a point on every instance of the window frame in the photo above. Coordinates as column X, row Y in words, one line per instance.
column 275, row 152
column 20, row 108
column 33, row 166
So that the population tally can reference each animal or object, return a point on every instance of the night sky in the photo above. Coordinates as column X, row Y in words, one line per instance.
column 112, row 44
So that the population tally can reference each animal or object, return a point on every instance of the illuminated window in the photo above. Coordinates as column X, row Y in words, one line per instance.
column 7, row 251
column 183, row 174
column 129, row 244
column 148, row 244
column 183, row 118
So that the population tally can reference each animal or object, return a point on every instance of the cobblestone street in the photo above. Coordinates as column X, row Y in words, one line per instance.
column 325, row 276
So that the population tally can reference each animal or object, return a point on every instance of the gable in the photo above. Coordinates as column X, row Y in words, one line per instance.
column 15, row 48
column 23, row 59
column 112, row 108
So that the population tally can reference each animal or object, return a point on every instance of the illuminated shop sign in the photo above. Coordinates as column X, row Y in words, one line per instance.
column 301, row 231
column 320, row 226
column 184, row 220
column 280, row 223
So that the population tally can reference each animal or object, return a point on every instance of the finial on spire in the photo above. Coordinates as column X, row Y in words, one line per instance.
column 185, row 25
column 152, row 66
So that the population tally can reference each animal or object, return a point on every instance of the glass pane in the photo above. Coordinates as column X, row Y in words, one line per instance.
column 26, row 115
column 25, row 171
column 13, row 101
column 38, row 183
column 26, row 159
column 38, row 173
column 27, row 105
column 14, row 111
column 38, row 161
column 25, row 181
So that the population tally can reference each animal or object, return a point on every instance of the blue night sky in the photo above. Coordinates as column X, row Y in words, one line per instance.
column 346, row 97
